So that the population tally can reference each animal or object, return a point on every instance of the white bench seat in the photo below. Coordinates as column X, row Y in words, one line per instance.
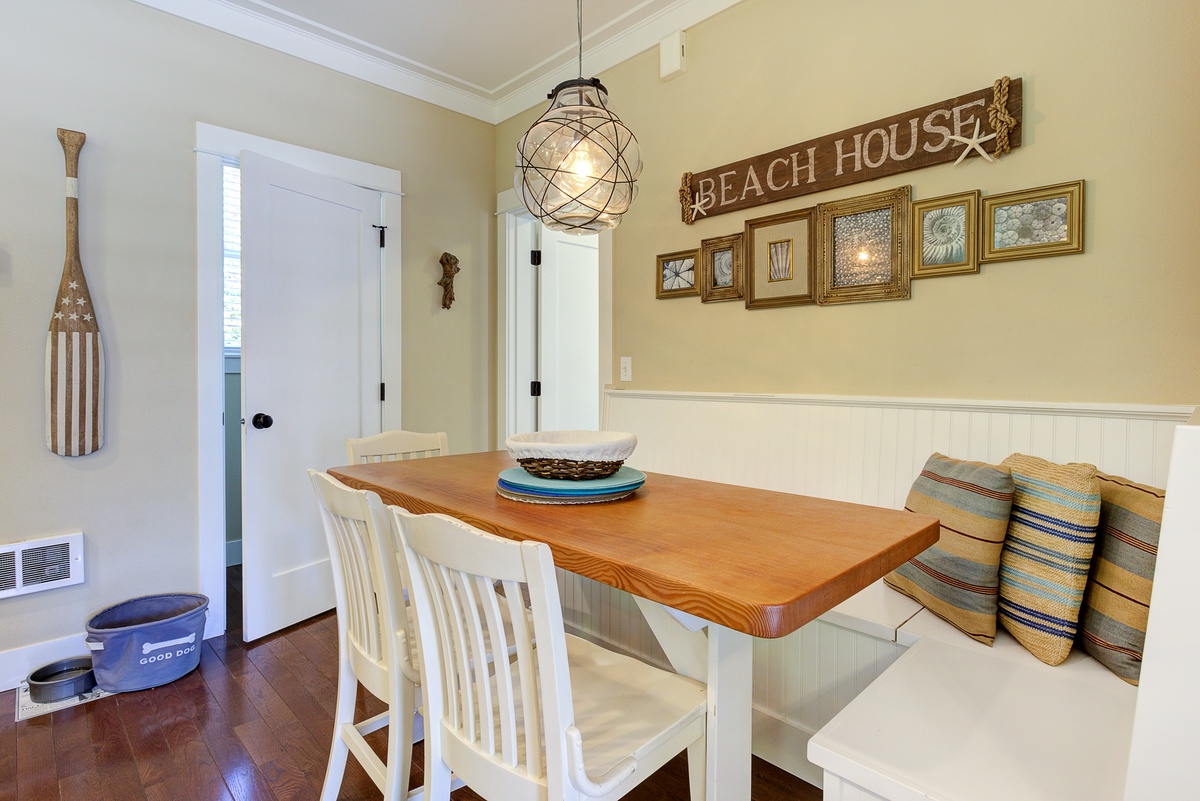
column 954, row 720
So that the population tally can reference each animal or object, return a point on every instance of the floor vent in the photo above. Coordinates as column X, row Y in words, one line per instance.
column 41, row 564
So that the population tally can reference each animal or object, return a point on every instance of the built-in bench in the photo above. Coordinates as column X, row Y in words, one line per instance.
column 850, row 672
column 955, row 719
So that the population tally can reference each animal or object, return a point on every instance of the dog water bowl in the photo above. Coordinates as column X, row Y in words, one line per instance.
column 61, row 680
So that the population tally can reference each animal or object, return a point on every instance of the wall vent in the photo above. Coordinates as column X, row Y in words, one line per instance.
column 41, row 564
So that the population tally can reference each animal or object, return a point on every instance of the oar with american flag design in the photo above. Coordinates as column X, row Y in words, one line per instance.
column 74, row 351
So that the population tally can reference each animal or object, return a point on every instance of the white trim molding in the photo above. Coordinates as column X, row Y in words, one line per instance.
column 319, row 44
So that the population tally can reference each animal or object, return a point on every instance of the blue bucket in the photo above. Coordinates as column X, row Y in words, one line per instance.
column 147, row 642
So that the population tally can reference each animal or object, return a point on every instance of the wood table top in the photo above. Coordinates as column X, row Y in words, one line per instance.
column 757, row 561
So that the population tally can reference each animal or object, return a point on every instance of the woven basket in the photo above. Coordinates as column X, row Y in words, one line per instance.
column 571, row 455
column 569, row 469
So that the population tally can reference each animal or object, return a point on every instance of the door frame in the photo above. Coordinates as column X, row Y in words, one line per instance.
column 212, row 144
column 510, row 213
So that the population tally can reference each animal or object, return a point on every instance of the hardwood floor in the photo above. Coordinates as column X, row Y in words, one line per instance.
column 252, row 723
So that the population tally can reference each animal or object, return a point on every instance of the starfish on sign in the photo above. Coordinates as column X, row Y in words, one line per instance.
column 698, row 208
column 973, row 142
column 73, row 285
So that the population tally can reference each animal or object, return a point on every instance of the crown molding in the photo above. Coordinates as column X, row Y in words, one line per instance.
column 315, row 44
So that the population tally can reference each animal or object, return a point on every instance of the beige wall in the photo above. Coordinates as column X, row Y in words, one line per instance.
column 137, row 81
column 1109, row 97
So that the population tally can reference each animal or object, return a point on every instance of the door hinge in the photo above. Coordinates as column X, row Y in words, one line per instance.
column 382, row 230
column 382, row 391
column 535, row 389
column 535, row 258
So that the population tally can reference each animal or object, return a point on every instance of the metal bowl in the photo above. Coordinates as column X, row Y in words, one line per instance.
column 61, row 680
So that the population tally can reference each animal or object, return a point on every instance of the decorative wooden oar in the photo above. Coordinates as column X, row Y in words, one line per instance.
column 74, row 352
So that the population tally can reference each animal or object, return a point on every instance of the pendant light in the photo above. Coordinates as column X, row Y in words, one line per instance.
column 578, row 163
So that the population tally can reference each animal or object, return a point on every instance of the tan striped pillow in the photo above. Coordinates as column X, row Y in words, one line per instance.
column 1048, row 553
column 958, row 579
column 1118, row 593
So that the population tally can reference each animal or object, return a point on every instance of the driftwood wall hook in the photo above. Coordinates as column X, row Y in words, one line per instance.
column 450, row 268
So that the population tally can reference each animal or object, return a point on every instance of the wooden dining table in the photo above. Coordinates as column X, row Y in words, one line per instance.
column 711, row 565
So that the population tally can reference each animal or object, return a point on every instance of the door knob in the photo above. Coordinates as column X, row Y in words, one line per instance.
column 261, row 420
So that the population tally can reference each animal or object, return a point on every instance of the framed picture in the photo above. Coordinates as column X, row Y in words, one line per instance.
column 721, row 268
column 863, row 251
column 1047, row 221
column 945, row 235
column 677, row 274
column 779, row 260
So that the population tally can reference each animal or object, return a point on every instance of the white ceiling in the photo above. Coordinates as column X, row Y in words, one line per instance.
column 489, row 59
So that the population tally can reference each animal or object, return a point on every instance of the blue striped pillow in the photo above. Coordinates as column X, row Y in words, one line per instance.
column 957, row 579
column 1048, row 553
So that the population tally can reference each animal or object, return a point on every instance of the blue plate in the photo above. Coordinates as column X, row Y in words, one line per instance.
column 515, row 478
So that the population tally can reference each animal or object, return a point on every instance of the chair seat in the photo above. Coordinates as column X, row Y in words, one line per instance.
column 624, row 707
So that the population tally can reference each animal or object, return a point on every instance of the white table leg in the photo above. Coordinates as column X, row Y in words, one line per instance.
column 723, row 658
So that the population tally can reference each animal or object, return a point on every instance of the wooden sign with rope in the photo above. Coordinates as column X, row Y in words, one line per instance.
column 74, row 351
column 935, row 134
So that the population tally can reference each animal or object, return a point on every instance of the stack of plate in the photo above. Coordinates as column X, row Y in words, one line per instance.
column 518, row 485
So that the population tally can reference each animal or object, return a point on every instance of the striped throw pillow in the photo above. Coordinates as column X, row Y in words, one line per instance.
column 958, row 578
column 1118, row 593
column 1047, row 554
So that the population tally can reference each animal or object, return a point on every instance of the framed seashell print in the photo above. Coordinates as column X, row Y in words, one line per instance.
column 945, row 235
column 677, row 274
column 1047, row 221
column 721, row 268
column 779, row 260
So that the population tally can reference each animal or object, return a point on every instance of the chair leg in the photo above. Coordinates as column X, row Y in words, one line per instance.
column 437, row 774
column 338, row 751
column 697, row 769
column 400, row 742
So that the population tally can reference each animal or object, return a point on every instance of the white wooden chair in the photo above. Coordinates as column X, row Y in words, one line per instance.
column 397, row 445
column 372, row 644
column 566, row 720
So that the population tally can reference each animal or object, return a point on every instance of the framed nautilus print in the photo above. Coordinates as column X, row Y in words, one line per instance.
column 945, row 233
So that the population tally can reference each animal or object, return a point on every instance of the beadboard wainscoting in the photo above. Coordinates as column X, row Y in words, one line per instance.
column 858, row 449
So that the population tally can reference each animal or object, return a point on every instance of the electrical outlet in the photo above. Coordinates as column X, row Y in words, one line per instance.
column 626, row 368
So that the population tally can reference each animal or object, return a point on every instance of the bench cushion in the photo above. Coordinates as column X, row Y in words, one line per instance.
column 1048, row 553
column 953, row 722
column 958, row 578
column 1118, row 593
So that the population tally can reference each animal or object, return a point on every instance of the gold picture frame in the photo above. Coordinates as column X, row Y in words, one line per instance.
column 780, row 261
column 721, row 268
column 945, row 234
column 677, row 274
column 1031, row 223
column 863, row 251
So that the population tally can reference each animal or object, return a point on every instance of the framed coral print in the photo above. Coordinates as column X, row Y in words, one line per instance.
column 863, row 251
column 721, row 268
column 1047, row 221
column 944, row 235
column 779, row 260
column 677, row 274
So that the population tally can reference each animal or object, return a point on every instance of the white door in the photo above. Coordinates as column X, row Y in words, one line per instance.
column 310, row 362
column 569, row 332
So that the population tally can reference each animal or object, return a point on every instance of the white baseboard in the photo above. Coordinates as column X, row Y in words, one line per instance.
column 233, row 553
column 18, row 663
